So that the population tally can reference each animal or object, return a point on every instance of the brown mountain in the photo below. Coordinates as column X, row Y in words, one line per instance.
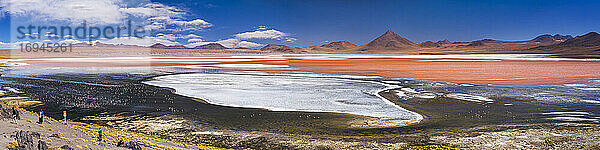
column 444, row 42
column 591, row 39
column 279, row 48
column 552, row 39
column 429, row 44
column 391, row 41
column 162, row 46
column 586, row 45
column 316, row 48
column 476, row 43
column 211, row 46
column 339, row 45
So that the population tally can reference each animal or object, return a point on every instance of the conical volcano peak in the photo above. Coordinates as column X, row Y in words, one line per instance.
column 391, row 40
column 389, row 32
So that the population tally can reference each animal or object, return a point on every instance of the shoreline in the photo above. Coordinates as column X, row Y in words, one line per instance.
column 496, row 69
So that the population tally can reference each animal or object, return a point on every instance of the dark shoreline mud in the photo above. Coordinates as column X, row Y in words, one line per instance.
column 131, row 101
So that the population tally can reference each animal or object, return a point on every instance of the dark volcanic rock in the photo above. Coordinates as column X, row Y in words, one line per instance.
column 130, row 145
column 25, row 140
column 66, row 147
column 9, row 113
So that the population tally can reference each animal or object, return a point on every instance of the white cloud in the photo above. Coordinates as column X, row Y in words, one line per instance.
column 102, row 12
column 194, row 40
column 74, row 11
column 262, row 28
column 291, row 40
column 176, row 25
column 197, row 22
column 230, row 43
column 249, row 44
column 153, row 9
column 70, row 41
column 170, row 21
column 267, row 34
column 146, row 41
column 190, row 36
column 166, row 36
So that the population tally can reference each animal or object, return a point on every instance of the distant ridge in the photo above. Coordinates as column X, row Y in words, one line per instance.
column 279, row 48
column 587, row 45
column 211, row 46
column 547, row 38
column 390, row 41
column 591, row 39
column 162, row 46
column 339, row 45
column 444, row 42
column 429, row 44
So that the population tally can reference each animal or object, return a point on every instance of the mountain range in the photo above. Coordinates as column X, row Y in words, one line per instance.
column 390, row 42
column 587, row 45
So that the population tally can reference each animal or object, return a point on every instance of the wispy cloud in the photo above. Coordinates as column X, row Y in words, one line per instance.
column 168, row 25
column 190, row 36
column 249, row 44
column 266, row 34
column 73, row 11
column 146, row 41
column 262, row 32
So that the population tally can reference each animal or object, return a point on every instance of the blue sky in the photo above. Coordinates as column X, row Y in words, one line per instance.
column 306, row 23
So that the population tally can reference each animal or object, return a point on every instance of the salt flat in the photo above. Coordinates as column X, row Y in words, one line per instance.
column 291, row 93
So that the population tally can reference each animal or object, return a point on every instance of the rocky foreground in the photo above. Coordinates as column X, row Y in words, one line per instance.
column 21, row 130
